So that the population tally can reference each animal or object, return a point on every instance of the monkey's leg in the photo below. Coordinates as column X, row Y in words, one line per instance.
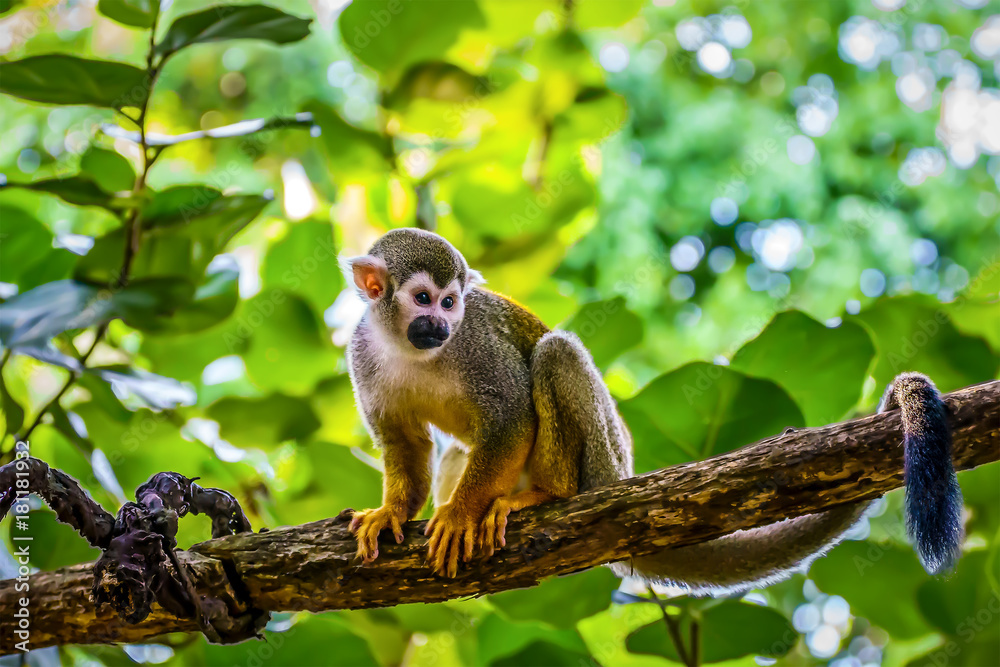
column 494, row 465
column 406, row 482
column 448, row 472
column 581, row 441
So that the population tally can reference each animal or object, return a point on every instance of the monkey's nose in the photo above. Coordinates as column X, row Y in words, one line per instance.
column 426, row 332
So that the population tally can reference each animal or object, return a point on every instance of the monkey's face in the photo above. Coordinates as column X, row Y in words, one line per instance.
column 431, row 314
column 414, row 283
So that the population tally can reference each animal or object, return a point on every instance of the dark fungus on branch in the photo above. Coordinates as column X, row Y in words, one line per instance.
column 139, row 564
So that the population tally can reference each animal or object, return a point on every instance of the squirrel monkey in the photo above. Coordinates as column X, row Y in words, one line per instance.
column 434, row 348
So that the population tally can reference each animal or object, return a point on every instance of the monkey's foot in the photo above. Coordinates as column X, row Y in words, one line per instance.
column 367, row 524
column 493, row 529
column 452, row 534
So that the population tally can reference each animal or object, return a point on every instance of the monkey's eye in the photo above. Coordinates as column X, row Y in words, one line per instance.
column 423, row 298
column 447, row 302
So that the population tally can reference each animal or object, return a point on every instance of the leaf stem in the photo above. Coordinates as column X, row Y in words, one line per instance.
column 674, row 630
column 694, row 643
column 133, row 225
column 73, row 376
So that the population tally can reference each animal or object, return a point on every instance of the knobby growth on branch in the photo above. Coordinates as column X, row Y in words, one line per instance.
column 226, row 587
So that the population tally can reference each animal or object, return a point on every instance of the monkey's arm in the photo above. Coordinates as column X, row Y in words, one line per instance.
column 495, row 463
column 406, row 482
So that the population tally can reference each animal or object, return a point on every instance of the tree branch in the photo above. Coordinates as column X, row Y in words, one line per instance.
column 310, row 567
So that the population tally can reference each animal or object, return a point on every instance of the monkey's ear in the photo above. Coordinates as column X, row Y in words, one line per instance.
column 473, row 278
column 370, row 275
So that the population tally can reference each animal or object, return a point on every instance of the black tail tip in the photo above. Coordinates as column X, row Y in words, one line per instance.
column 936, row 529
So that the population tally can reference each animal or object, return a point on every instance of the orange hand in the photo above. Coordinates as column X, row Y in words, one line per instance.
column 492, row 531
column 453, row 533
column 366, row 525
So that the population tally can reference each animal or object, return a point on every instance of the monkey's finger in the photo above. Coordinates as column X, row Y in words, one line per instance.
column 486, row 534
column 430, row 525
column 501, row 534
column 369, row 534
column 356, row 521
column 470, row 544
column 455, row 548
column 432, row 545
column 397, row 529
column 440, row 557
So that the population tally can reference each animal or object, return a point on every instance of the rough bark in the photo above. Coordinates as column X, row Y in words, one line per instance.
column 310, row 567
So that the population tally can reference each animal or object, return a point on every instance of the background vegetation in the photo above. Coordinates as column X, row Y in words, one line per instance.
column 755, row 214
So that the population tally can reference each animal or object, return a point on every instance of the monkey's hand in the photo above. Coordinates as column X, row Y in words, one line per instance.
column 367, row 524
column 452, row 532
column 493, row 530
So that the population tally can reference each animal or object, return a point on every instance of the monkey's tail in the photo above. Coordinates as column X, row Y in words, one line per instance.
column 933, row 497
column 761, row 556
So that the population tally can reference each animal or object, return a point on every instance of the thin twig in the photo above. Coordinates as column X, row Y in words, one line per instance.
column 73, row 376
column 133, row 230
column 673, row 628
column 302, row 120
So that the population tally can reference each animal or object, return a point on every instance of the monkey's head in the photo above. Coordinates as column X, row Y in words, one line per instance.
column 415, row 284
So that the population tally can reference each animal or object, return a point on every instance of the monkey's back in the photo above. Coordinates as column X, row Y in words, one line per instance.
column 491, row 352
column 503, row 316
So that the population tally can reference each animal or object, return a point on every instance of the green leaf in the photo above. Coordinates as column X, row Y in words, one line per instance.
column 380, row 32
column 156, row 391
column 728, row 630
column 700, row 410
column 868, row 574
column 305, row 262
column 224, row 22
column 135, row 13
column 263, row 422
column 607, row 328
column 213, row 300
column 350, row 151
column 830, row 369
column 35, row 316
column 915, row 334
column 560, row 601
column 63, row 79
column 203, row 211
column 53, row 544
column 145, row 300
column 437, row 81
column 111, row 171
column 78, row 190
column 184, row 228
column 502, row 639
column 299, row 645
column 23, row 242
column 542, row 653
column 949, row 604
column 7, row 5
column 12, row 412
column 55, row 264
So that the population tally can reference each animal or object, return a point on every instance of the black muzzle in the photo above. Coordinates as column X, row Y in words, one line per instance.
column 426, row 332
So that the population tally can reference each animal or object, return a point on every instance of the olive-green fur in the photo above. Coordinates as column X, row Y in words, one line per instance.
column 409, row 250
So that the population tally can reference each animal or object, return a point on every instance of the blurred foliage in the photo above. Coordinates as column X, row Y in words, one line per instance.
column 754, row 216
